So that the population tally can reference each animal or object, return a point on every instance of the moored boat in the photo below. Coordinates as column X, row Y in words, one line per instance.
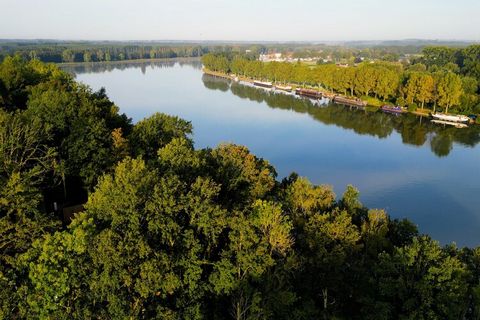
column 450, row 117
column 348, row 101
column 329, row 95
column 450, row 123
column 308, row 93
column 263, row 84
column 393, row 109
column 283, row 88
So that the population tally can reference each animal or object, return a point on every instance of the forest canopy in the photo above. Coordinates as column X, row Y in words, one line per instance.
column 167, row 231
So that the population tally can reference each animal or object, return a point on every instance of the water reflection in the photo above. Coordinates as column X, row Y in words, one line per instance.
column 414, row 130
column 101, row 67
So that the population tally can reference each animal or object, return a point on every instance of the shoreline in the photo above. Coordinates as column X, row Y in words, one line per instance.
column 418, row 112
column 186, row 59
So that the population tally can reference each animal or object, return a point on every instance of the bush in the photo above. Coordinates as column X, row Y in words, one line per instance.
column 412, row 107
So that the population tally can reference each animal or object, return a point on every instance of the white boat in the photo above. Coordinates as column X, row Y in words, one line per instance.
column 263, row 84
column 283, row 88
column 450, row 117
column 450, row 123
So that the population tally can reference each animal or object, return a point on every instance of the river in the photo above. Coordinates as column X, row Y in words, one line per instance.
column 405, row 164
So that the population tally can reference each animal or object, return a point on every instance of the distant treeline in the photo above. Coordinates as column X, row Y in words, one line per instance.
column 98, row 52
column 429, row 82
column 81, row 51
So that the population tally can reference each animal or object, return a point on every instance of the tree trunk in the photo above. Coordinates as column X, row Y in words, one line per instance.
column 238, row 311
column 325, row 302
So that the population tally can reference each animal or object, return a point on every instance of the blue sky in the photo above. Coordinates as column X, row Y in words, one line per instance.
column 275, row 20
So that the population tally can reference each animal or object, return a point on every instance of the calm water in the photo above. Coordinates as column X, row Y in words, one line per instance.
column 405, row 164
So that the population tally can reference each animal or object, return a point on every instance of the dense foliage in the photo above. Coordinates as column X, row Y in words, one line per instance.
column 412, row 86
column 85, row 51
column 170, row 232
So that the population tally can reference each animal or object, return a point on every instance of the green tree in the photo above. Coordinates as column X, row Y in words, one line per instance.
column 156, row 131
column 330, row 241
column 25, row 164
column 366, row 79
column 68, row 55
column 244, row 177
column 425, row 89
column 422, row 281
column 87, row 56
column 253, row 243
column 449, row 88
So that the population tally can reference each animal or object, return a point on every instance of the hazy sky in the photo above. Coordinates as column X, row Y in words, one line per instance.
column 240, row 19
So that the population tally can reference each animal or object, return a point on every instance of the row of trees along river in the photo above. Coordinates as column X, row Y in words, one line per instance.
column 413, row 86
column 104, row 52
column 172, row 232
column 413, row 129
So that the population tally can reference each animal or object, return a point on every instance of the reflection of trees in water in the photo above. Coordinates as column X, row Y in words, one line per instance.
column 215, row 83
column 102, row 67
column 413, row 130
column 441, row 144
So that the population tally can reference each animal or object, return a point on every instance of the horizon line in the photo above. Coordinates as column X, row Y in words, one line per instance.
column 241, row 41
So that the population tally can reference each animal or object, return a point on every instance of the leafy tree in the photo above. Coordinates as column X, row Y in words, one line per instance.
column 244, row 177
column 425, row 90
column 366, row 79
column 25, row 164
column 155, row 132
column 253, row 242
column 421, row 281
column 87, row 56
column 387, row 83
column 68, row 56
column 330, row 240
column 305, row 199
column 449, row 90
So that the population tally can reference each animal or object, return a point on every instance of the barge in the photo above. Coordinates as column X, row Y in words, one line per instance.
column 392, row 109
column 263, row 84
column 351, row 102
column 283, row 88
column 309, row 93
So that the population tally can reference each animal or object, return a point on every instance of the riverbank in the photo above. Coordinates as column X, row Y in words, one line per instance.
column 369, row 101
column 180, row 59
column 233, row 77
